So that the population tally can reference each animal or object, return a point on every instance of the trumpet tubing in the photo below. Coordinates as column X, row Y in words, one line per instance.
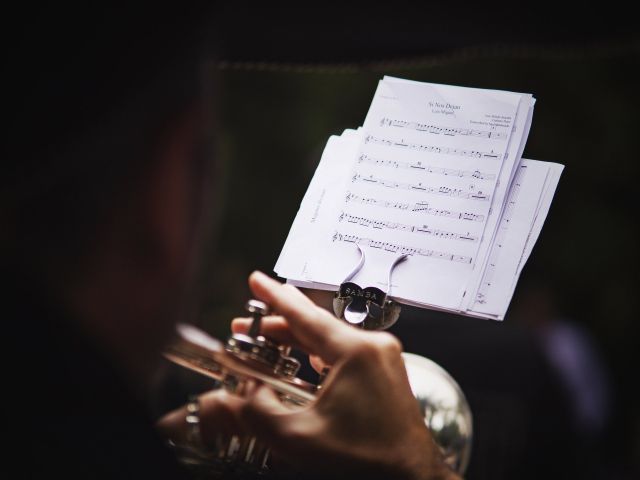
column 444, row 407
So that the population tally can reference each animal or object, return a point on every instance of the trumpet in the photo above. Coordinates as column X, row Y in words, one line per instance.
column 249, row 358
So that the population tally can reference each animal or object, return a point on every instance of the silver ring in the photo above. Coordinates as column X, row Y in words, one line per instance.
column 194, row 433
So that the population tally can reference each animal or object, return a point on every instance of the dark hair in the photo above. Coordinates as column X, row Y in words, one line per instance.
column 92, row 93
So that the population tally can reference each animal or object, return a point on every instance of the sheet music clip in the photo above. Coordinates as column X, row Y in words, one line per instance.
column 369, row 308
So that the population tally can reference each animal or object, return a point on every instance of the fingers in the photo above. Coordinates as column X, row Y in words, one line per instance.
column 316, row 330
column 274, row 327
column 265, row 416
column 317, row 363
column 277, row 329
column 219, row 414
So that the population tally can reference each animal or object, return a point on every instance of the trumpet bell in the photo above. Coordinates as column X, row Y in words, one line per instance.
column 444, row 407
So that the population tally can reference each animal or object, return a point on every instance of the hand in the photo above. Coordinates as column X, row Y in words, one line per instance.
column 365, row 421
column 219, row 419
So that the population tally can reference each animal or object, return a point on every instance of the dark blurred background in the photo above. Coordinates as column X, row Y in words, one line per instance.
column 550, row 387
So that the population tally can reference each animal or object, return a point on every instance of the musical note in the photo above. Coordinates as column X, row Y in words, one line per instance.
column 447, row 191
column 402, row 249
column 427, row 175
column 427, row 168
column 430, row 148
column 422, row 207
column 438, row 130
column 423, row 229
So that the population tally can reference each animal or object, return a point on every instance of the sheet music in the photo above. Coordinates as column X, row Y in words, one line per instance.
column 517, row 224
column 319, row 206
column 529, row 202
column 551, row 183
column 426, row 176
column 460, row 130
column 507, row 174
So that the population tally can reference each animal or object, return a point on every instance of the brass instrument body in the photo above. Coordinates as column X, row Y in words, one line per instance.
column 245, row 359
column 197, row 351
column 242, row 360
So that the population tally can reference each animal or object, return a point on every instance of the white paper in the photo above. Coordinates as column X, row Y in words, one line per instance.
column 517, row 220
column 427, row 176
column 438, row 150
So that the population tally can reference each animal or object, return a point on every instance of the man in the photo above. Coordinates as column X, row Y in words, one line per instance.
column 105, row 203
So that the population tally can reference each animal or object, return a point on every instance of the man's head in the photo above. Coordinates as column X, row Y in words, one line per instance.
column 105, row 166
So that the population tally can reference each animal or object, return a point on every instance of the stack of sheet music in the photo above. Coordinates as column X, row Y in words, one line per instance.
column 436, row 173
